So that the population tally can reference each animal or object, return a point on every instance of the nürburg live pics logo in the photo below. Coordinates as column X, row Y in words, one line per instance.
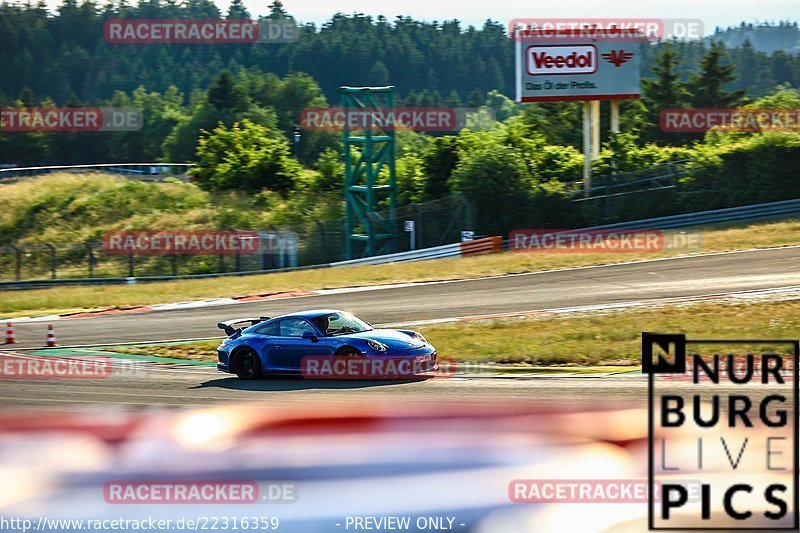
column 724, row 413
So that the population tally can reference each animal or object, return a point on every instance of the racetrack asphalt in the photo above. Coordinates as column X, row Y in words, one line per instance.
column 144, row 384
column 148, row 384
column 604, row 285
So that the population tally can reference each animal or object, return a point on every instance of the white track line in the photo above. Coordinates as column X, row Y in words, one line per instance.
column 790, row 292
column 347, row 290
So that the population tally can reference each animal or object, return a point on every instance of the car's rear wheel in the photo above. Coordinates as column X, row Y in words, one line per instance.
column 247, row 364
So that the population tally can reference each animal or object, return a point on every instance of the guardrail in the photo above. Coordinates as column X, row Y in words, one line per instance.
column 458, row 249
column 767, row 211
column 437, row 252
column 142, row 171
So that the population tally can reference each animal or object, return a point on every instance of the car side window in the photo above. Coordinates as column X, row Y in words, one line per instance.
column 295, row 327
column 268, row 329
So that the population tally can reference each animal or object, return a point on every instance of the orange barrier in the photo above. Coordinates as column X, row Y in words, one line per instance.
column 487, row 245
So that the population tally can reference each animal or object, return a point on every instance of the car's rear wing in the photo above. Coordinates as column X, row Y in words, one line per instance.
column 229, row 326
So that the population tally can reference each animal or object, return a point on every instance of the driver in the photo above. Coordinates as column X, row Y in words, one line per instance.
column 323, row 322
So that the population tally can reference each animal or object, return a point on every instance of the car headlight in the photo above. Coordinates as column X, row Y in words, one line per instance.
column 419, row 337
column 375, row 345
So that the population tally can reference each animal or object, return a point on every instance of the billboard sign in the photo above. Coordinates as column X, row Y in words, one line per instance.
column 574, row 66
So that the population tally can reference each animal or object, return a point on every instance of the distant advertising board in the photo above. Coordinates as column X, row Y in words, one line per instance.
column 572, row 66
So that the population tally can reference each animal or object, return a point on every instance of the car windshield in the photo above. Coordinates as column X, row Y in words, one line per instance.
column 341, row 324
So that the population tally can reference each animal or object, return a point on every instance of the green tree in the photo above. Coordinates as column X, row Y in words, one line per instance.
column 502, row 105
column 426, row 99
column 224, row 103
column 665, row 91
column 496, row 181
column 247, row 157
column 161, row 113
column 277, row 11
column 238, row 11
column 224, row 94
column 476, row 98
column 559, row 122
column 331, row 171
column 453, row 99
column 753, row 70
column 707, row 89
column 26, row 98
column 411, row 100
column 438, row 162
column 379, row 74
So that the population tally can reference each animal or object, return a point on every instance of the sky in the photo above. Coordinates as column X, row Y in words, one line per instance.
column 712, row 12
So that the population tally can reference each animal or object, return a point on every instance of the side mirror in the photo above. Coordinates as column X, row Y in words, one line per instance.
column 310, row 336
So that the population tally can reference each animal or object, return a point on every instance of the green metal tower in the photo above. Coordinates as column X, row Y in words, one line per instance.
column 368, row 149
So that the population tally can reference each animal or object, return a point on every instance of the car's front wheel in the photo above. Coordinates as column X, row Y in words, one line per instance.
column 347, row 351
column 247, row 364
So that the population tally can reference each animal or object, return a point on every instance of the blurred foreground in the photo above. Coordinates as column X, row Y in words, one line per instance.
column 317, row 467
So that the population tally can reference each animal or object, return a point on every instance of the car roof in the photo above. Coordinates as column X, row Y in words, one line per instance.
column 311, row 313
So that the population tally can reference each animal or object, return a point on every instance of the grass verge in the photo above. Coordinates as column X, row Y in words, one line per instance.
column 63, row 299
column 611, row 340
column 193, row 351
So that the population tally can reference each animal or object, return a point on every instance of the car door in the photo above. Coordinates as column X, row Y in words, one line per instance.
column 289, row 347
column 263, row 338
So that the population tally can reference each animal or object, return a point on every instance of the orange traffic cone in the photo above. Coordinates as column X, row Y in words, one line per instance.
column 51, row 336
column 10, row 337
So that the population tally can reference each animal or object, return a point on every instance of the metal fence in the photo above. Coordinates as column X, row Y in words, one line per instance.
column 317, row 242
column 654, row 178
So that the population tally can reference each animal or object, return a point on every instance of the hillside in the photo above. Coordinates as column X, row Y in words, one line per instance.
column 768, row 38
column 69, row 208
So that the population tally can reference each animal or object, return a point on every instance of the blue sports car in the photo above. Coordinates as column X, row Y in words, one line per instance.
column 322, row 344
